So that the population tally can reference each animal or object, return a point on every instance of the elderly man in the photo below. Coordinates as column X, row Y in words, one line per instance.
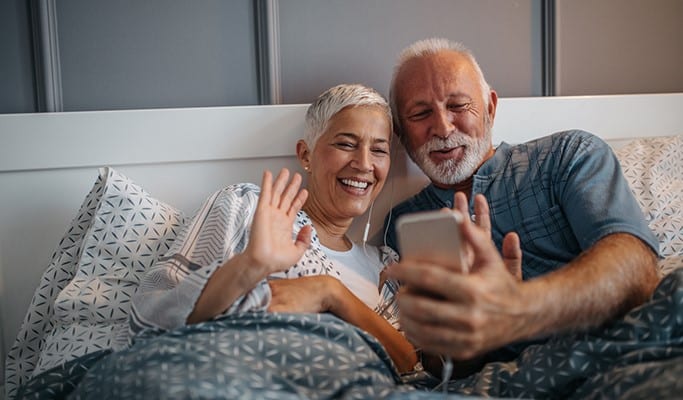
column 588, row 255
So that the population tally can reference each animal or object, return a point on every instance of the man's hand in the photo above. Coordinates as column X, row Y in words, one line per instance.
column 512, row 252
column 463, row 315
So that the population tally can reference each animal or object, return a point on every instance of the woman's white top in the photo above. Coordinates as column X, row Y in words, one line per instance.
column 359, row 269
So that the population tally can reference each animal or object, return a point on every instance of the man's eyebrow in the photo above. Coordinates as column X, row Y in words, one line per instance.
column 460, row 96
column 417, row 104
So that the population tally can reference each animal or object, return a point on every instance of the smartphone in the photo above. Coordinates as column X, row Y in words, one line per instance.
column 432, row 236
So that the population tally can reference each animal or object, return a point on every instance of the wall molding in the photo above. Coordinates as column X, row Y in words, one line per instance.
column 47, row 67
column 548, row 47
column 268, row 51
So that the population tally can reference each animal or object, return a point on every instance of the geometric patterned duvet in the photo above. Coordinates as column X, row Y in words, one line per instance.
column 309, row 356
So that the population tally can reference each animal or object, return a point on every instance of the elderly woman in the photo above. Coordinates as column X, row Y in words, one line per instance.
column 234, row 254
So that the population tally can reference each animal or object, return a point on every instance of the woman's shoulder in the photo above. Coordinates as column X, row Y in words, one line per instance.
column 236, row 193
column 239, row 190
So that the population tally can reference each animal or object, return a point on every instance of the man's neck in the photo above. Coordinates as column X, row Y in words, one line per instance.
column 464, row 186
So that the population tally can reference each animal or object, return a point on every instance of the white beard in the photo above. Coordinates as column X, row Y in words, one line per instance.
column 451, row 172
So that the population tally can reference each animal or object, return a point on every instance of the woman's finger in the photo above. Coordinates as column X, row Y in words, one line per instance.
column 266, row 187
column 290, row 192
column 279, row 186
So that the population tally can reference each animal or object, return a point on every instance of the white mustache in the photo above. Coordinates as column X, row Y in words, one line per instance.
column 457, row 139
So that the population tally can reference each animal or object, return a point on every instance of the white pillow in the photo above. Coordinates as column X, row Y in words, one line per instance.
column 83, row 300
column 654, row 169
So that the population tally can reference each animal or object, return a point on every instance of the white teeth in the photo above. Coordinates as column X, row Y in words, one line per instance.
column 356, row 184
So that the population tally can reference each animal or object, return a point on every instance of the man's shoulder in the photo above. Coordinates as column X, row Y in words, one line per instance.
column 569, row 138
column 567, row 142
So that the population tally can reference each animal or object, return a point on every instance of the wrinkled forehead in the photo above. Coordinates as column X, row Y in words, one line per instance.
column 435, row 75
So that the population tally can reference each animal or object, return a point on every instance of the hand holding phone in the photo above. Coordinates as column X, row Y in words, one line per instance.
column 432, row 236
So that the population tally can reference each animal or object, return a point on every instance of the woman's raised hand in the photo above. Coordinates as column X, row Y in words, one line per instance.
column 271, row 245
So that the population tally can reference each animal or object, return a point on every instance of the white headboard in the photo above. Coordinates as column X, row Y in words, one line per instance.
column 48, row 162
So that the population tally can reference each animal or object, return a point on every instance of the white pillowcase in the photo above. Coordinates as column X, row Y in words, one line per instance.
column 83, row 300
column 654, row 170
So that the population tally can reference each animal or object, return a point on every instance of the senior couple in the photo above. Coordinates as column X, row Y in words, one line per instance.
column 557, row 208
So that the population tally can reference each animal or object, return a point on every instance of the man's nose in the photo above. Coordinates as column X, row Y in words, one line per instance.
column 443, row 124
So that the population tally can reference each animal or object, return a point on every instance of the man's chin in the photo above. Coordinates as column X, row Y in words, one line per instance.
column 442, row 175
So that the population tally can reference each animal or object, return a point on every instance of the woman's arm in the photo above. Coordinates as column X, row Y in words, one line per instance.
column 270, row 249
column 248, row 227
column 323, row 293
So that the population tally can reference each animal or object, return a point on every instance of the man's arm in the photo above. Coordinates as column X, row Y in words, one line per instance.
column 465, row 316
column 618, row 273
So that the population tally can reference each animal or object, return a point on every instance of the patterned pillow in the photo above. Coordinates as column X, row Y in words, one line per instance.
column 654, row 170
column 82, row 302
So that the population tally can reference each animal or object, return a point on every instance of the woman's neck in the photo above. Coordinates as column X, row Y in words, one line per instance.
column 331, row 233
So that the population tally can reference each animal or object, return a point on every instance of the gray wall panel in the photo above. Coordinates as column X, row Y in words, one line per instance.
column 156, row 53
column 323, row 43
column 16, row 65
column 177, row 53
column 619, row 46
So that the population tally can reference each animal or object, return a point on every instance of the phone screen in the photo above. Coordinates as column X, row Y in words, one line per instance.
column 432, row 236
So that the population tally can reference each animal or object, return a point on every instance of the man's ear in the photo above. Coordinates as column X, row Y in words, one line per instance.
column 493, row 104
column 303, row 154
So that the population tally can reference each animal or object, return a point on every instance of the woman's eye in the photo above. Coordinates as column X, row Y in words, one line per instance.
column 345, row 145
column 380, row 150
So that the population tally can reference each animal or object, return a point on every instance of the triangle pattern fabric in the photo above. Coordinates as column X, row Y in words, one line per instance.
column 82, row 301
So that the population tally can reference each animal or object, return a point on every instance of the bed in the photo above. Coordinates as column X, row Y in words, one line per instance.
column 91, row 199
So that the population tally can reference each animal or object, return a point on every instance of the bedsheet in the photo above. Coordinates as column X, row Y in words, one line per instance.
column 311, row 356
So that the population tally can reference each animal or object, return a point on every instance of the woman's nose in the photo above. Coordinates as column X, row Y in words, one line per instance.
column 363, row 160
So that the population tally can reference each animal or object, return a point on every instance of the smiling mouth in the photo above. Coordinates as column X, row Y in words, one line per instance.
column 447, row 153
column 360, row 185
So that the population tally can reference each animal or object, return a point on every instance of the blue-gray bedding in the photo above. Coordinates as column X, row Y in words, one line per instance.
column 295, row 356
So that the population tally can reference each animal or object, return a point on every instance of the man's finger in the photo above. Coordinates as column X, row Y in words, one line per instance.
column 482, row 213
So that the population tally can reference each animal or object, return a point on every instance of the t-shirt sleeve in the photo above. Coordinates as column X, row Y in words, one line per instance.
column 594, row 180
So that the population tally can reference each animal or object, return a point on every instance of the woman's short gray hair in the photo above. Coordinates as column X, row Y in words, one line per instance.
column 430, row 46
column 335, row 99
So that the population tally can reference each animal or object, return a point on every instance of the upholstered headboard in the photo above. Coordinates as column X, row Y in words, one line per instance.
column 48, row 162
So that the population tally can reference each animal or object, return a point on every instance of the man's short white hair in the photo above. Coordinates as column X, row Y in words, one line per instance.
column 335, row 99
column 427, row 47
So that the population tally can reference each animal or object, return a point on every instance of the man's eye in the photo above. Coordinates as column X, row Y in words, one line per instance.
column 380, row 150
column 419, row 115
column 458, row 107
column 345, row 145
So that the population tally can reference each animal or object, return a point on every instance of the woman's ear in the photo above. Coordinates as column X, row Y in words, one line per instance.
column 303, row 154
